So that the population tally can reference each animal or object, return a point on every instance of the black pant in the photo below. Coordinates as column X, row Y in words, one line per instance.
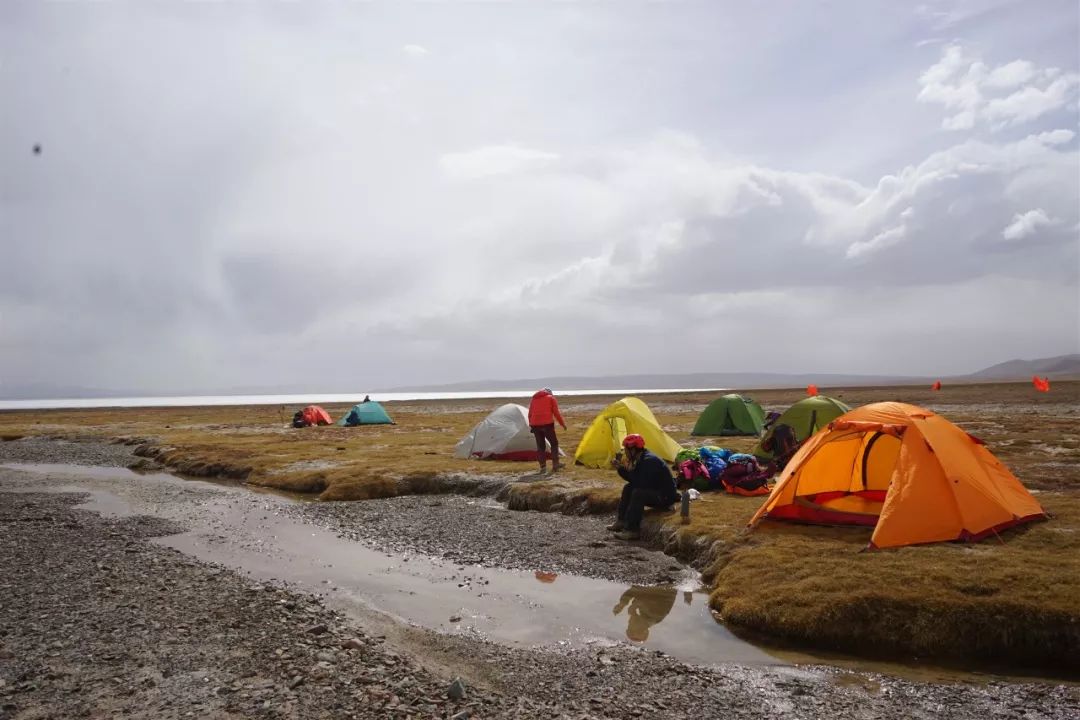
column 542, row 433
column 633, row 503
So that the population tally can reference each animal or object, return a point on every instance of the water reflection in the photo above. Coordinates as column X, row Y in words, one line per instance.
column 645, row 607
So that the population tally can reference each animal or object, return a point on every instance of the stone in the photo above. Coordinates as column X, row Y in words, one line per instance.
column 456, row 691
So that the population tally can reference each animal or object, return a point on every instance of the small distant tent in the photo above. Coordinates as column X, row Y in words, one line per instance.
column 730, row 415
column 311, row 415
column 806, row 417
column 366, row 413
column 907, row 472
column 604, row 437
column 503, row 435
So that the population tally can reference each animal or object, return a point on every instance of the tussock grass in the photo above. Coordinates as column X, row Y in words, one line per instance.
column 1015, row 602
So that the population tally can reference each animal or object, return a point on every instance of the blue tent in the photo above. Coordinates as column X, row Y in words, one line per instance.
column 366, row 413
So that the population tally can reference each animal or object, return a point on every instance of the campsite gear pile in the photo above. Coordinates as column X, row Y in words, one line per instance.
column 711, row 468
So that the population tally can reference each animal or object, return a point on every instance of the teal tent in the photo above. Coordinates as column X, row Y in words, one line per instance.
column 366, row 413
column 730, row 415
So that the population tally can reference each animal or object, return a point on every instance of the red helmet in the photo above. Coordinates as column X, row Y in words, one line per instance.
column 633, row 440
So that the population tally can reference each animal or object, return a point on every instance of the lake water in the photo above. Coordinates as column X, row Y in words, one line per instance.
column 309, row 399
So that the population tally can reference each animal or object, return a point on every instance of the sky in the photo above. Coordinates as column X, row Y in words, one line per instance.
column 361, row 195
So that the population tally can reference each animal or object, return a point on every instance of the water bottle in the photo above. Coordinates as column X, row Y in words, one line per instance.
column 684, row 507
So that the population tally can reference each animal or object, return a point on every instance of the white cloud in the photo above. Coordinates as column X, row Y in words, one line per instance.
column 1010, row 94
column 492, row 160
column 416, row 51
column 1026, row 224
column 1011, row 74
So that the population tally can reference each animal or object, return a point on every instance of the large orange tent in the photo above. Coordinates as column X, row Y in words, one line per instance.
column 909, row 473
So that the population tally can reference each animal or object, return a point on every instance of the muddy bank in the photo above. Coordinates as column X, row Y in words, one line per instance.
column 99, row 621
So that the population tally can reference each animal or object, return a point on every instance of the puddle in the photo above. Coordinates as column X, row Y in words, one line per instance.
column 252, row 534
column 532, row 608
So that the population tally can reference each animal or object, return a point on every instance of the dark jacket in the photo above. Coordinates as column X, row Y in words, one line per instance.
column 651, row 473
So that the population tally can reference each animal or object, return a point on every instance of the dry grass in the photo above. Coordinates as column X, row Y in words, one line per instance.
column 1017, row 602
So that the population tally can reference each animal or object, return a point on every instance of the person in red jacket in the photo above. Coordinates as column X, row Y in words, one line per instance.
column 543, row 412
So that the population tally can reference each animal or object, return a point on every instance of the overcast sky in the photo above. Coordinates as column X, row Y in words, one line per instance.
column 362, row 195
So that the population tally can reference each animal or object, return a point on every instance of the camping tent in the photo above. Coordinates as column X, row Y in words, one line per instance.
column 503, row 435
column 619, row 419
column 806, row 417
column 366, row 413
column 730, row 415
column 909, row 473
column 312, row 415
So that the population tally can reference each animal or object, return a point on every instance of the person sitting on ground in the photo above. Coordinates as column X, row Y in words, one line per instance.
column 649, row 483
column 543, row 412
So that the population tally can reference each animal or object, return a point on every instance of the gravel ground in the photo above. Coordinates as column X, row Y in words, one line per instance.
column 47, row 450
column 96, row 621
column 481, row 531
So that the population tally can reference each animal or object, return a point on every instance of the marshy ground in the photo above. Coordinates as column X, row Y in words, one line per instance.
column 1012, row 603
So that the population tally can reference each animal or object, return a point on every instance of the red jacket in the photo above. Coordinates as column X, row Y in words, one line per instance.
column 544, row 409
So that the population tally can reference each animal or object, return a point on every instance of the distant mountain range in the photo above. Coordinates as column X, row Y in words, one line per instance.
column 1060, row 368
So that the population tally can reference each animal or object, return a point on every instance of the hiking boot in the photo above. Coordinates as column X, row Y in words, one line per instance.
column 629, row 535
column 542, row 470
column 615, row 526
column 557, row 466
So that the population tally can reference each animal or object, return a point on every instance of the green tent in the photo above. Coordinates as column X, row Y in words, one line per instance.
column 730, row 415
column 366, row 413
column 806, row 417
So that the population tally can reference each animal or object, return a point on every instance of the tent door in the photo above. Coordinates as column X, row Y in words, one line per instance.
column 618, row 432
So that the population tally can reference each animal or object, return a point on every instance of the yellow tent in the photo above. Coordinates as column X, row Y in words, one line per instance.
column 621, row 418
column 907, row 472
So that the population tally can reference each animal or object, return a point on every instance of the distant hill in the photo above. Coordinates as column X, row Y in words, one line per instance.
column 669, row 382
column 1062, row 366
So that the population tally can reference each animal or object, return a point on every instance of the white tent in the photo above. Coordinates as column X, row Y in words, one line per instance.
column 502, row 435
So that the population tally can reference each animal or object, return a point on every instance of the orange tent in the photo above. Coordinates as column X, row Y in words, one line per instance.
column 811, row 390
column 907, row 472
column 1041, row 384
column 936, row 385
column 315, row 415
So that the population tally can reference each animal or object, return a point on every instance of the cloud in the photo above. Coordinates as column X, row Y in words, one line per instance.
column 492, row 160
column 630, row 204
column 416, row 52
column 1010, row 94
column 1026, row 224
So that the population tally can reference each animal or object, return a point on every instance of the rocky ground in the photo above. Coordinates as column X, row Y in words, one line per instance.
column 97, row 621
